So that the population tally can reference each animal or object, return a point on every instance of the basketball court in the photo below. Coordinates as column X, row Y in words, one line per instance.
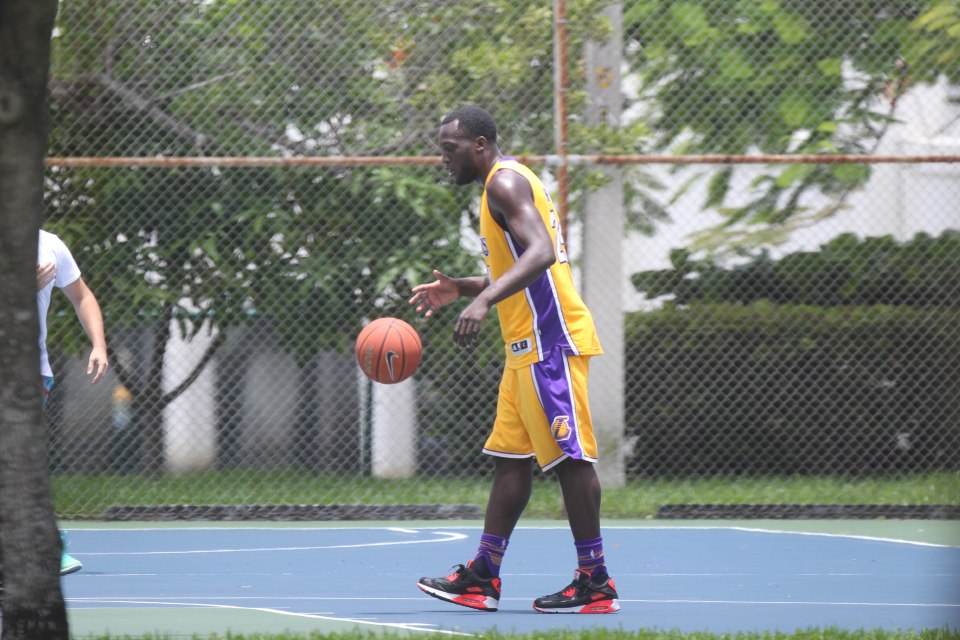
column 202, row 578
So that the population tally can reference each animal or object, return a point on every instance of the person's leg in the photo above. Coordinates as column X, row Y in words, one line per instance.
column 592, row 589
column 477, row 584
column 509, row 495
column 562, row 390
column 581, row 496
column 68, row 564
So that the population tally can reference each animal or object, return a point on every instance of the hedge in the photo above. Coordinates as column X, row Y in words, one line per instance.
column 772, row 389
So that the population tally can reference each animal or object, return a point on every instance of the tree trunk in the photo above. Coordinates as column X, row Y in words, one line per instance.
column 33, row 605
column 149, row 403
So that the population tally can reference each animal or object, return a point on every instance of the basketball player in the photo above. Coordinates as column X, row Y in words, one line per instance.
column 57, row 268
column 542, row 410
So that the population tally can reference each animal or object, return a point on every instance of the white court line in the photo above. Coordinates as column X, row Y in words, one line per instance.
column 409, row 626
column 563, row 527
column 285, row 598
column 187, row 529
column 449, row 537
column 851, row 536
column 743, row 574
column 809, row 603
column 838, row 535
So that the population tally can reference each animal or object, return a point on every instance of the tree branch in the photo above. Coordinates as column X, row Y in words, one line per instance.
column 142, row 105
column 200, row 85
column 62, row 91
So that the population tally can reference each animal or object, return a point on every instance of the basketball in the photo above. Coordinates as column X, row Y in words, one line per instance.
column 388, row 350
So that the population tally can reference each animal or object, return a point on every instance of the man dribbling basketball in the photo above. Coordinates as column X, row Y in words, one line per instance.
column 542, row 410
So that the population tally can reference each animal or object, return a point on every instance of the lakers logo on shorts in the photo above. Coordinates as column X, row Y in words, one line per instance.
column 561, row 428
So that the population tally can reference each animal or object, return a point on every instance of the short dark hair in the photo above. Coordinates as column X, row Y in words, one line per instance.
column 474, row 122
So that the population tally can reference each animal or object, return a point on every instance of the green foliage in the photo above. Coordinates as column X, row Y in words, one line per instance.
column 316, row 251
column 88, row 497
column 922, row 272
column 748, row 75
column 230, row 78
column 761, row 389
column 938, row 51
column 321, row 250
column 775, row 78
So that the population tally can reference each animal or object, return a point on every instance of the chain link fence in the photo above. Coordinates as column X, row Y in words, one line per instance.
column 245, row 185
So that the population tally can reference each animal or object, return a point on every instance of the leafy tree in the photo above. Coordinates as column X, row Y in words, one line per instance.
column 33, row 605
column 937, row 51
column 319, row 249
column 776, row 77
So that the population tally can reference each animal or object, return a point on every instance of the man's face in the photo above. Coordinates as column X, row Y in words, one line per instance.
column 458, row 153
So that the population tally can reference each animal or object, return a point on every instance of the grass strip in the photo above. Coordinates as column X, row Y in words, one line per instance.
column 79, row 497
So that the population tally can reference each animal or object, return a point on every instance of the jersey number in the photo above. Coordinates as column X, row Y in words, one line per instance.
column 561, row 245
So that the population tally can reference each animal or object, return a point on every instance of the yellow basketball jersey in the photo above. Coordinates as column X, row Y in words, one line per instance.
column 549, row 313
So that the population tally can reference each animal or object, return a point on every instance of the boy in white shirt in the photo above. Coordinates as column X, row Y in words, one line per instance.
column 57, row 268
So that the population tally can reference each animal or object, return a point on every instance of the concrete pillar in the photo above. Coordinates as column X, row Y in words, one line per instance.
column 189, row 422
column 388, row 423
column 603, row 277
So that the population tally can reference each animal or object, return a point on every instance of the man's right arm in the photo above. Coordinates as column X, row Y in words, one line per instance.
column 472, row 286
column 430, row 296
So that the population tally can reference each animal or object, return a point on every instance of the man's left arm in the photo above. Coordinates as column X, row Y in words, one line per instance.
column 88, row 311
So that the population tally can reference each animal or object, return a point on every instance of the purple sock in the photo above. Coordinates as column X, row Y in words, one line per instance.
column 491, row 551
column 590, row 557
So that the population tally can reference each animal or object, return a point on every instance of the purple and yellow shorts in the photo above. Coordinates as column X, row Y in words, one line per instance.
column 543, row 412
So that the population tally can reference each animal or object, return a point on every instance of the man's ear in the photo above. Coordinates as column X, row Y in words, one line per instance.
column 479, row 143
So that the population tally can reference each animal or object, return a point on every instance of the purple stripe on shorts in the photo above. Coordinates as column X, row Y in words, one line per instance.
column 556, row 396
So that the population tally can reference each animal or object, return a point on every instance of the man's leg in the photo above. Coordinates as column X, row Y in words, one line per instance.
column 592, row 589
column 68, row 564
column 509, row 495
column 477, row 584
column 580, row 486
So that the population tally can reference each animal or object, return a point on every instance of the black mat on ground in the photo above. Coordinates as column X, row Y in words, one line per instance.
column 807, row 511
column 295, row 512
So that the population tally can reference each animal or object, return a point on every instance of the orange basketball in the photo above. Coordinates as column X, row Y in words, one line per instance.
column 388, row 350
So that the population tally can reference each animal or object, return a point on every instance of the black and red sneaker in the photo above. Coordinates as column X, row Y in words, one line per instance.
column 465, row 587
column 583, row 595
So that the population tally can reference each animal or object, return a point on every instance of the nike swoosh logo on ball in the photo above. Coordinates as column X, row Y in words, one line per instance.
column 391, row 356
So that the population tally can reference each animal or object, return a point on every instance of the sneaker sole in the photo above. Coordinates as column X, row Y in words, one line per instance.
column 601, row 606
column 471, row 600
column 71, row 569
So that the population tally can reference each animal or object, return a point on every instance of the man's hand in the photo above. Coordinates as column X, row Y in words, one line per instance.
column 431, row 296
column 467, row 330
column 46, row 272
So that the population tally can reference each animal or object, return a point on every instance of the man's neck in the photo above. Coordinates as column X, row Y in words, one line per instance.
column 488, row 166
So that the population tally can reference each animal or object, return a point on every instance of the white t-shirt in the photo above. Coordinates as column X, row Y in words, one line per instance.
column 52, row 249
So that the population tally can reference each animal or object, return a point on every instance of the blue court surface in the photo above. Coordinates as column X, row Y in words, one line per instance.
column 200, row 579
